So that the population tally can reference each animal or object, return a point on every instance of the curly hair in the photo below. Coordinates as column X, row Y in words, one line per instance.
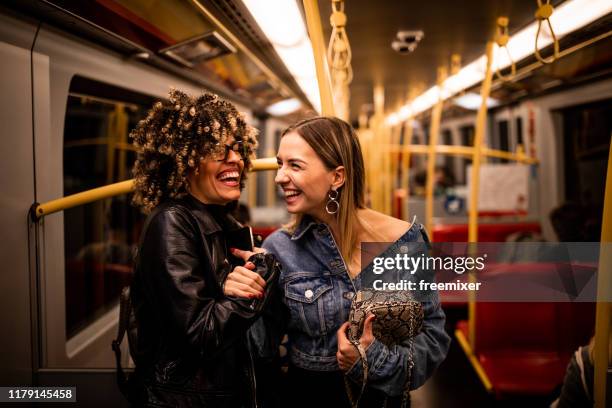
column 175, row 136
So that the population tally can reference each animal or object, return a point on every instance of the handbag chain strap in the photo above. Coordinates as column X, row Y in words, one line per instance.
column 365, row 368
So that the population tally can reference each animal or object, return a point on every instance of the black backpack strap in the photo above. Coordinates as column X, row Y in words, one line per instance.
column 125, row 306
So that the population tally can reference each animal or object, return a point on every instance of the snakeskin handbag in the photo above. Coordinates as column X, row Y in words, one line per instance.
column 398, row 318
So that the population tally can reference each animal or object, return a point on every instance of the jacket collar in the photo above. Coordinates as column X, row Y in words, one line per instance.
column 307, row 223
column 214, row 217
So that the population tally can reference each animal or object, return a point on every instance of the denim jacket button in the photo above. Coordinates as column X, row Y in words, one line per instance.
column 309, row 293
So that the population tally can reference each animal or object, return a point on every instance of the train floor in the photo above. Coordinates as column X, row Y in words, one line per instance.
column 456, row 384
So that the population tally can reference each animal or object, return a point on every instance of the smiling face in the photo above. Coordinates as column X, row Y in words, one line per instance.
column 303, row 177
column 218, row 181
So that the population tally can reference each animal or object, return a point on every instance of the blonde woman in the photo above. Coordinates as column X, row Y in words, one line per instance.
column 321, row 173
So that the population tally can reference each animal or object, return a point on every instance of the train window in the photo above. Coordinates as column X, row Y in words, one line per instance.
column 467, row 139
column 519, row 131
column 586, row 141
column 503, row 138
column 449, row 160
column 99, row 237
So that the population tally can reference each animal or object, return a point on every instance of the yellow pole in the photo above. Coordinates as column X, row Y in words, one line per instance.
column 434, row 130
column 252, row 190
column 406, row 168
column 481, row 123
column 378, row 142
column 396, row 131
column 111, row 190
column 270, row 185
column 315, row 31
column 465, row 151
column 604, row 288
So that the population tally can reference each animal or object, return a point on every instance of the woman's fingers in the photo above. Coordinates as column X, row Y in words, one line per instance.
column 247, row 277
column 239, row 253
column 238, row 289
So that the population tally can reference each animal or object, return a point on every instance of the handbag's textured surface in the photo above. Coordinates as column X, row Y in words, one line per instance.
column 398, row 317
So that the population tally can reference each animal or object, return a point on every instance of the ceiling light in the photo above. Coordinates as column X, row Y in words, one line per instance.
column 567, row 17
column 282, row 23
column 197, row 49
column 472, row 101
column 284, row 107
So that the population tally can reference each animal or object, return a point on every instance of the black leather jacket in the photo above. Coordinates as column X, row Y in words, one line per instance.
column 192, row 349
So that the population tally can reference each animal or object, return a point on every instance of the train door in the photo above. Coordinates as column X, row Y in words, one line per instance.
column 85, row 102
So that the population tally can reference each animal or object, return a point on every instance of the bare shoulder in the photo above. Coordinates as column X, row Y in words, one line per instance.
column 389, row 228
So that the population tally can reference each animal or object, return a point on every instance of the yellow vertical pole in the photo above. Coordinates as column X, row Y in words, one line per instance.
column 379, row 140
column 434, row 130
column 270, row 185
column 396, row 131
column 315, row 31
column 252, row 190
column 405, row 181
column 604, row 288
column 481, row 124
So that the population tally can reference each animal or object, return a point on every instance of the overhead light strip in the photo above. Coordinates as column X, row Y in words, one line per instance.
column 569, row 16
column 283, row 25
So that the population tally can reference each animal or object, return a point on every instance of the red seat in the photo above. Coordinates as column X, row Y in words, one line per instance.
column 524, row 348
column 497, row 232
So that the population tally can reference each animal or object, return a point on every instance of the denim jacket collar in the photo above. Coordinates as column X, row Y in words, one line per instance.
column 306, row 223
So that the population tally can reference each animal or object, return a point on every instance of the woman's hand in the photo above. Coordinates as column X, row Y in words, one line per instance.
column 242, row 281
column 347, row 353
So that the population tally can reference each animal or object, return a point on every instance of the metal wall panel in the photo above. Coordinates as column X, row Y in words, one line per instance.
column 16, row 179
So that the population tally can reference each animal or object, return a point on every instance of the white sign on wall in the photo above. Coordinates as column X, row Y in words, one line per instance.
column 503, row 187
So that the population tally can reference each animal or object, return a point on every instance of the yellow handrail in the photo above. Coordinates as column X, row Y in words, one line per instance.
column 315, row 31
column 466, row 151
column 469, row 352
column 111, row 190
column 434, row 130
column 481, row 123
column 604, row 285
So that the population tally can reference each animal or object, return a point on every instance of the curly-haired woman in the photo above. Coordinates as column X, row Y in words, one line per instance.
column 193, row 298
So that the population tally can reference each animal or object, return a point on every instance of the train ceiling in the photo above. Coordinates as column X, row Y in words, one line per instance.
column 176, row 36
column 449, row 27
column 163, row 29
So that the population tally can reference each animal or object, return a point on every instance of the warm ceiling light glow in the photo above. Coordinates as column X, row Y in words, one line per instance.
column 284, row 107
column 392, row 119
column 567, row 17
column 473, row 100
column 282, row 23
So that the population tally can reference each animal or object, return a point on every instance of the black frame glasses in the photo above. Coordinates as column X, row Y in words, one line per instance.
column 242, row 148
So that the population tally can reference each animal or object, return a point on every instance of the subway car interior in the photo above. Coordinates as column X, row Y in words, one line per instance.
column 489, row 121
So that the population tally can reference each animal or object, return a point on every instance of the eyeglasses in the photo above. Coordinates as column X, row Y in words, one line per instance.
column 241, row 148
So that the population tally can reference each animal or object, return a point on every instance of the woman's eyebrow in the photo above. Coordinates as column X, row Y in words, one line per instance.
column 291, row 160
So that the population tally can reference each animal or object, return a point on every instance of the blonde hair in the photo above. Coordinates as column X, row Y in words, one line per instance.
column 336, row 144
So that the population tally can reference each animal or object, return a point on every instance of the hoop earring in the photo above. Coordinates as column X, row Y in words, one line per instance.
column 332, row 205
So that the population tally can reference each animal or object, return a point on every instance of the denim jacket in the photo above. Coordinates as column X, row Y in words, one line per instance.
column 318, row 292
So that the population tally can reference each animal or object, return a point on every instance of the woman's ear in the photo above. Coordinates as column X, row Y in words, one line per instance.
column 339, row 177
